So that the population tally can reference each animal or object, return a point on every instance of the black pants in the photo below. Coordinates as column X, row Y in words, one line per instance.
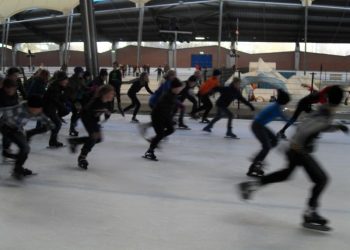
column 302, row 107
column 88, row 141
column 221, row 112
column 117, row 88
column 312, row 168
column 267, row 139
column 135, row 103
column 58, row 124
column 6, row 143
column 163, row 128
column 19, row 139
column 194, row 102
column 206, row 106
column 74, row 118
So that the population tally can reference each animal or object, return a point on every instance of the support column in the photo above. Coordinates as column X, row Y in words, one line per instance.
column 297, row 57
column 114, row 52
column 14, row 54
column 90, row 42
column 61, row 53
column 139, row 37
column 220, row 33
column 175, row 52
column 5, row 30
column 69, row 27
column 305, row 37
column 171, row 55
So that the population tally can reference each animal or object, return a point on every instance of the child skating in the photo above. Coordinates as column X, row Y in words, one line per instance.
column 12, row 124
column 162, row 116
column 266, row 137
column 228, row 95
column 299, row 154
column 90, row 116
column 132, row 94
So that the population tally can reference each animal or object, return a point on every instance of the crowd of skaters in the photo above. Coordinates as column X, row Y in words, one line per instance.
column 47, row 99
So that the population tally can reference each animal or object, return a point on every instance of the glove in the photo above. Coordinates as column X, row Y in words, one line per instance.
column 252, row 108
column 343, row 128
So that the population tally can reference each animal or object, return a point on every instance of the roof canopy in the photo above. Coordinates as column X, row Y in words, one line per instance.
column 12, row 7
column 117, row 20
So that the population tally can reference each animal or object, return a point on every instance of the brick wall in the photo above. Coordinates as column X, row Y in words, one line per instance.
column 155, row 57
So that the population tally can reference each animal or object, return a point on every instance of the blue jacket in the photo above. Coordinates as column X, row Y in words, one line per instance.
column 269, row 113
column 158, row 93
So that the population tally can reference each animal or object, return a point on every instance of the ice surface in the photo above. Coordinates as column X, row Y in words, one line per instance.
column 187, row 200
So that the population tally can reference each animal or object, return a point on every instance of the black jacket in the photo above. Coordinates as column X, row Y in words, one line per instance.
column 94, row 109
column 137, row 86
column 6, row 100
column 228, row 95
column 55, row 99
column 164, row 109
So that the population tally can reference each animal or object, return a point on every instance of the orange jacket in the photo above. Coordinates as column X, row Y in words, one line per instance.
column 209, row 85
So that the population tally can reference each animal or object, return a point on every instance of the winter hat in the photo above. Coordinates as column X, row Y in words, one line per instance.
column 176, row 83
column 103, row 72
column 35, row 101
column 12, row 70
column 192, row 79
column 61, row 76
column 216, row 72
column 8, row 83
column 282, row 97
column 78, row 70
column 335, row 95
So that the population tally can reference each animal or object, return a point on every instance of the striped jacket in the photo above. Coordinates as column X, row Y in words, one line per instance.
column 17, row 117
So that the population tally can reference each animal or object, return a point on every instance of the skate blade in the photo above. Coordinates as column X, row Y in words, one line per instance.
column 233, row 138
column 322, row 228
column 183, row 128
column 149, row 158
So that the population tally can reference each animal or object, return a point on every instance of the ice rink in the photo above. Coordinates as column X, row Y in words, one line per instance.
column 187, row 200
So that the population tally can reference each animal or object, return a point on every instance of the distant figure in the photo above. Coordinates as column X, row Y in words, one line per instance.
column 159, row 72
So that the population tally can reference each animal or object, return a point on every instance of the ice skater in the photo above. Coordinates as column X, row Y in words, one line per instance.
column 304, row 105
column 299, row 154
column 228, row 95
column 55, row 100
column 188, row 93
column 132, row 93
column 90, row 116
column 12, row 124
column 162, row 116
column 205, row 91
column 266, row 137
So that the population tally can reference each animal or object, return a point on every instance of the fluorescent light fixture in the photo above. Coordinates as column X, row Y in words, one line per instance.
column 201, row 53
column 200, row 38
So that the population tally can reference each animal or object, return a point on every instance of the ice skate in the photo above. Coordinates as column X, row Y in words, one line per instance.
column 149, row 155
column 82, row 162
column 134, row 120
column 28, row 173
column 255, row 170
column 205, row 120
column 183, row 126
column 207, row 129
column 312, row 220
column 231, row 135
column 281, row 135
column 55, row 145
column 246, row 189
column 73, row 132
